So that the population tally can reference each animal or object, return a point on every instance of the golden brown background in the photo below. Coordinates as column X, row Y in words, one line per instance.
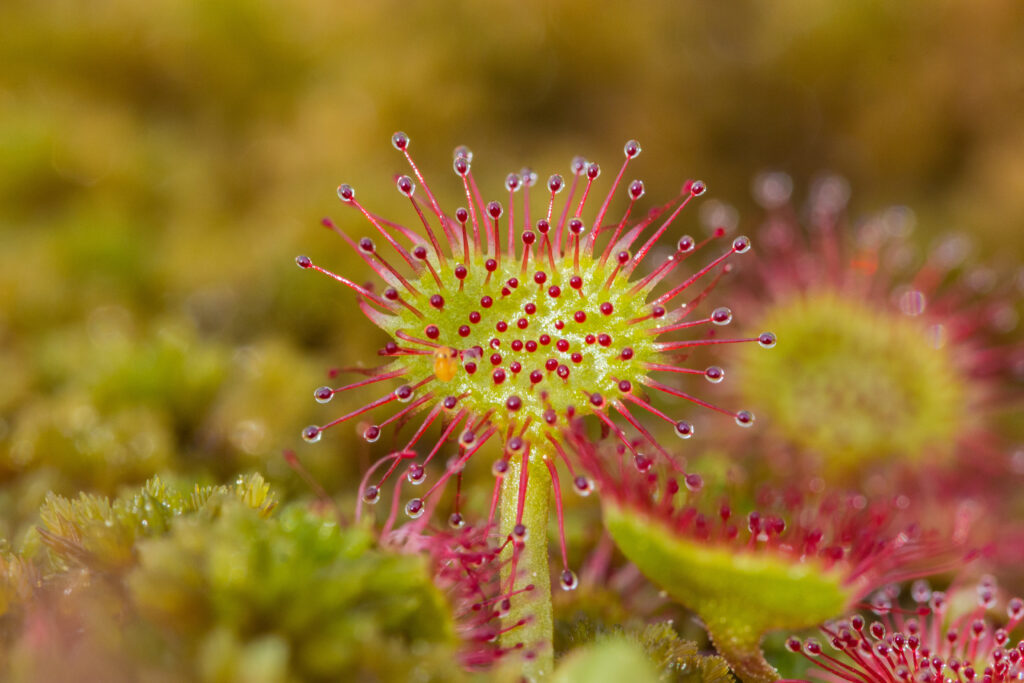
column 161, row 163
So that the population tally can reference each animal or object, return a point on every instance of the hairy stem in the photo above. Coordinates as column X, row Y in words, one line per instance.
column 531, row 566
column 741, row 648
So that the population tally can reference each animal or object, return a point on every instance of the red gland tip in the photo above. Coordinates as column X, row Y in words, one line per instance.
column 400, row 140
column 721, row 316
column 636, row 189
column 766, row 340
column 405, row 185
column 346, row 193
column 584, row 486
column 744, row 418
column 414, row 508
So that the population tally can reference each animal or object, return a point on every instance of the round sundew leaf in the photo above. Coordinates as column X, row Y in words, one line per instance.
column 739, row 594
column 855, row 383
column 520, row 329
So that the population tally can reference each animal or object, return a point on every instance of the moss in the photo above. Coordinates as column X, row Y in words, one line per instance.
column 638, row 652
column 297, row 592
column 209, row 583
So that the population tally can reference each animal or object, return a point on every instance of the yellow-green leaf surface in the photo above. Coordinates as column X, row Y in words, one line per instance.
column 740, row 594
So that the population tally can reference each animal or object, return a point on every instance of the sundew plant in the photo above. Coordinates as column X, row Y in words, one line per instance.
column 548, row 378
column 510, row 323
column 287, row 396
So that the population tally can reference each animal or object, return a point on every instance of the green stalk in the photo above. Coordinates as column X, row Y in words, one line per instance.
column 742, row 649
column 532, row 566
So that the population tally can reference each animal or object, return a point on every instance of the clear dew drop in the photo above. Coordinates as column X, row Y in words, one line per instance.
column 642, row 463
column 921, row 591
column 371, row 433
column 456, row 521
column 1015, row 608
column 405, row 185
column 636, row 189
column 346, row 193
column 400, row 141
column 414, row 508
column 721, row 315
column 684, row 430
column 766, row 340
column 416, row 474
column 714, row 374
column 568, row 580
column 371, row 495
column 744, row 418
column 584, row 486
column 311, row 434
column 741, row 245
column 323, row 395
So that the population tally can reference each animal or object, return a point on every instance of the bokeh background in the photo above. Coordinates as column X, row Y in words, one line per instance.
column 162, row 163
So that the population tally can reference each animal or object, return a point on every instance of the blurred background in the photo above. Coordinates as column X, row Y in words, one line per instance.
column 162, row 163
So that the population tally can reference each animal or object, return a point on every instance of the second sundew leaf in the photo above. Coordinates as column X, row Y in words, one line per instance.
column 801, row 558
column 739, row 595
column 768, row 592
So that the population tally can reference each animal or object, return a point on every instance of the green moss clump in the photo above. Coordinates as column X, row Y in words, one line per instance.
column 655, row 652
column 96, row 533
column 211, row 584
column 309, row 599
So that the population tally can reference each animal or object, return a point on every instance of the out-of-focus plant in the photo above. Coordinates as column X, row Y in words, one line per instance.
column 796, row 560
column 892, row 362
